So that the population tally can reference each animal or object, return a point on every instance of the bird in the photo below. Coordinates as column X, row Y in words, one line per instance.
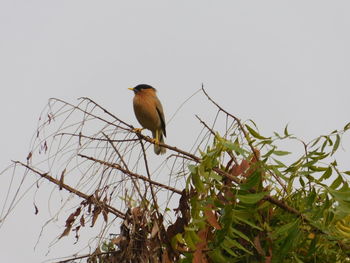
column 149, row 113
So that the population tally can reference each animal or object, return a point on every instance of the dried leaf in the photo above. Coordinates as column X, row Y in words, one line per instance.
column 177, row 227
column 258, row 246
column 62, row 178
column 70, row 220
column 36, row 209
column 76, row 230
column 30, row 154
column 95, row 213
column 243, row 166
column 211, row 218
column 80, row 139
column 165, row 257
column 65, row 232
column 155, row 229
column 117, row 240
column 82, row 221
column 235, row 170
column 105, row 215
column 198, row 255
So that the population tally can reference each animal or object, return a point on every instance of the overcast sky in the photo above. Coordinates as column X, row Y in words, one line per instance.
column 275, row 62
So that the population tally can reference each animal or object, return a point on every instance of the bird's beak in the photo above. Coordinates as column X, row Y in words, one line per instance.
column 131, row 89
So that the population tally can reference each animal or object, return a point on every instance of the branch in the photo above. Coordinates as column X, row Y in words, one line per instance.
column 118, row 167
column 240, row 125
column 70, row 189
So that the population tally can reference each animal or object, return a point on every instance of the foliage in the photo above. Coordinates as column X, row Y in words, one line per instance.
column 244, row 198
column 235, row 220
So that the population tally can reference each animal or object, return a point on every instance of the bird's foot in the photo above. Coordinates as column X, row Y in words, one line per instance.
column 138, row 130
column 155, row 141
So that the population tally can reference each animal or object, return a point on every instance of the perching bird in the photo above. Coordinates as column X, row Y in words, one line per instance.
column 149, row 113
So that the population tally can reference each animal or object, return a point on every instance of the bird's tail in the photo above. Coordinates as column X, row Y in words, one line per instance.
column 160, row 138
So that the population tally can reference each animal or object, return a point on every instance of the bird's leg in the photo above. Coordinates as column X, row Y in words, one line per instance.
column 156, row 139
column 138, row 130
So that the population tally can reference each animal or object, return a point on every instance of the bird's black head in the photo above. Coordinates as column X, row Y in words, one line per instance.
column 141, row 87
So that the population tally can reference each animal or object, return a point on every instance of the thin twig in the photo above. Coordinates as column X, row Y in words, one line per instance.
column 70, row 189
column 118, row 167
column 124, row 163
column 107, row 112
column 233, row 158
column 240, row 125
column 94, row 138
column 155, row 203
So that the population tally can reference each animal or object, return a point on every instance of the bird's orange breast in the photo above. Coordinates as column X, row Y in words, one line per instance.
column 145, row 110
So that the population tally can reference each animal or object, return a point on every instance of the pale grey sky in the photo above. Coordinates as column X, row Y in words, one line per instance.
column 276, row 62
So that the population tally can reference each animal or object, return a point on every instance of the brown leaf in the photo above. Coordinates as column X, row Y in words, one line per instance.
column 30, row 154
column 70, row 219
column 165, row 257
column 62, row 178
column 77, row 212
column 117, row 240
column 268, row 259
column 211, row 218
column 36, row 209
column 80, row 139
column 198, row 255
column 82, row 221
column 76, row 233
column 256, row 154
column 95, row 213
column 105, row 215
column 258, row 246
column 65, row 232
column 45, row 146
column 155, row 230
column 235, row 170
column 244, row 166
column 177, row 227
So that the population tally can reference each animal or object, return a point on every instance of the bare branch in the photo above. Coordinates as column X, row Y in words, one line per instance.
column 118, row 167
column 74, row 191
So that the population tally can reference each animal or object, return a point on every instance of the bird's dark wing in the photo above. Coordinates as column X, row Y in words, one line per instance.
column 161, row 116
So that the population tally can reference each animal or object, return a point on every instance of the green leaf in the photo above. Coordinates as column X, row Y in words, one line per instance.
column 281, row 153
column 336, row 182
column 215, row 176
column 347, row 126
column 253, row 180
column 347, row 172
column 340, row 195
column 197, row 183
column 255, row 133
column 327, row 173
column 336, row 144
column 251, row 198
column 286, row 131
column 189, row 240
column 277, row 135
column 233, row 243
column 318, row 168
column 229, row 250
column 217, row 257
column 284, row 230
column 239, row 218
column 240, row 234
column 235, row 147
column 311, row 198
column 315, row 142
column 279, row 163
